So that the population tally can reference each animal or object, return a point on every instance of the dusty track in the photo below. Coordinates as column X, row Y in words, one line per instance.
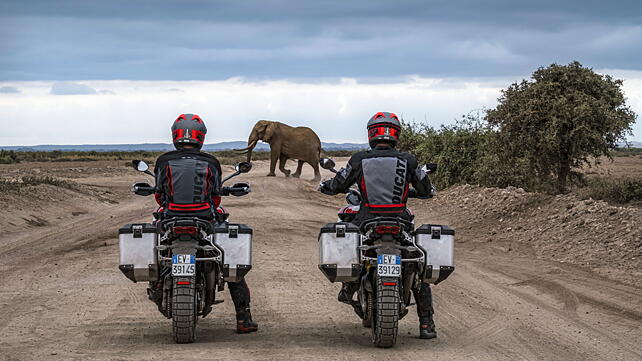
column 63, row 298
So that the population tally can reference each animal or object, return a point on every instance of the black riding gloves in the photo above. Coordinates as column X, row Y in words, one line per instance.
column 324, row 187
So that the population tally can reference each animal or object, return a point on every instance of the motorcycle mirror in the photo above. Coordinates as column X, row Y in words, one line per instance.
column 140, row 165
column 243, row 167
column 326, row 163
column 430, row 168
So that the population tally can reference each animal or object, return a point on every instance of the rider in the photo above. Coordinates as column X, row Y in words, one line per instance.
column 189, row 183
column 383, row 175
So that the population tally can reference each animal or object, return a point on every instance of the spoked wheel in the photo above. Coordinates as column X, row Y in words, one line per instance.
column 386, row 312
column 184, row 309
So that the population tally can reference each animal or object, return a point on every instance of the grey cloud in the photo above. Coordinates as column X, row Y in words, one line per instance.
column 106, row 91
column 204, row 40
column 9, row 90
column 67, row 88
column 542, row 12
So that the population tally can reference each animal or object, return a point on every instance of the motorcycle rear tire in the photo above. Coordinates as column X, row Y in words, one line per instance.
column 184, row 313
column 386, row 312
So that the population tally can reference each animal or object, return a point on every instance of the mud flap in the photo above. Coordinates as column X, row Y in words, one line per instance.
column 334, row 274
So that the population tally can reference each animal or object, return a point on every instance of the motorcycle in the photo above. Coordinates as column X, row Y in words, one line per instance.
column 386, row 258
column 186, row 260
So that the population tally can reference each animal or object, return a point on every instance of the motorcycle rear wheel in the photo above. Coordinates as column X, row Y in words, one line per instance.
column 184, row 313
column 386, row 312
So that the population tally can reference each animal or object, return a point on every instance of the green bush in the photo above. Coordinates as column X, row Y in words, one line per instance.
column 620, row 191
column 457, row 149
column 564, row 117
column 225, row 156
column 8, row 157
column 626, row 152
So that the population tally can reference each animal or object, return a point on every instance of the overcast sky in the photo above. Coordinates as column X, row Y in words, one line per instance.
column 78, row 71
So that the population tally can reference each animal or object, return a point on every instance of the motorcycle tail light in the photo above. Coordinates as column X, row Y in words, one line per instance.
column 185, row 230
column 388, row 229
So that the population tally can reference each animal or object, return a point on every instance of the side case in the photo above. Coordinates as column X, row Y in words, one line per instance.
column 236, row 242
column 439, row 244
column 138, row 258
column 338, row 254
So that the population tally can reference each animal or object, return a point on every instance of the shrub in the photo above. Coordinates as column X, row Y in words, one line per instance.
column 459, row 150
column 620, row 191
column 8, row 157
column 561, row 119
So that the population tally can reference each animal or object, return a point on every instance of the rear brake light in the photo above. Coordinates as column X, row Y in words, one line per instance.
column 182, row 282
column 185, row 230
column 388, row 229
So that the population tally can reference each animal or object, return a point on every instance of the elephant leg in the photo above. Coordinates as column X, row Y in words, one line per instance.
column 274, row 156
column 299, row 167
column 317, row 174
column 282, row 160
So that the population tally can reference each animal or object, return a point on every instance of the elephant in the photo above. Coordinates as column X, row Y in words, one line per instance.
column 286, row 142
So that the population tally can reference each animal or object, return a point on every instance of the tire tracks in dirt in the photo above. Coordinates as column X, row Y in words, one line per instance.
column 64, row 298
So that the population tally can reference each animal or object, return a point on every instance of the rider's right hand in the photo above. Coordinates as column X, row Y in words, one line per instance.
column 324, row 187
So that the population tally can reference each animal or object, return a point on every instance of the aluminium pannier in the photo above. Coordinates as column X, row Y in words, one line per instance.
column 138, row 258
column 439, row 244
column 236, row 242
column 338, row 252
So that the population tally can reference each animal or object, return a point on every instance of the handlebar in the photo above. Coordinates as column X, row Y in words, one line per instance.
column 236, row 190
column 412, row 193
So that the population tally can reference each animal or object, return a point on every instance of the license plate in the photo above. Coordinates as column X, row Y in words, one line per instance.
column 388, row 265
column 183, row 265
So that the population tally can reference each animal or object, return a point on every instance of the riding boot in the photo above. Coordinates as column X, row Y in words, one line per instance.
column 347, row 292
column 240, row 294
column 425, row 311
column 427, row 328
column 244, row 323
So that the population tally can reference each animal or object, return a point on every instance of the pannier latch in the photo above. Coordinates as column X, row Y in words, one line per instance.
column 435, row 232
column 234, row 231
column 137, row 230
column 341, row 230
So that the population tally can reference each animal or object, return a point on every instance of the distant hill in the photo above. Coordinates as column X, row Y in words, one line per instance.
column 160, row 147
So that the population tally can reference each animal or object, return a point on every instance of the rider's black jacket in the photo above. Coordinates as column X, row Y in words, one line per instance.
column 188, row 182
column 383, row 175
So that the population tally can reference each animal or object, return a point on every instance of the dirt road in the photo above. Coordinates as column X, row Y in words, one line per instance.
column 62, row 296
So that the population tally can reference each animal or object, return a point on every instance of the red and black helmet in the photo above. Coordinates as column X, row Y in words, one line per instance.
column 384, row 127
column 188, row 129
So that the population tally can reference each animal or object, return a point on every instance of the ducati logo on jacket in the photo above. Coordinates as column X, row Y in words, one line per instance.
column 384, row 176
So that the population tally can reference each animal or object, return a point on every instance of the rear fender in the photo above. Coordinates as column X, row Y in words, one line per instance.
column 185, row 247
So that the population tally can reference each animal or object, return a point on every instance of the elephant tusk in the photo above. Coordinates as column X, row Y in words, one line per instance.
column 248, row 148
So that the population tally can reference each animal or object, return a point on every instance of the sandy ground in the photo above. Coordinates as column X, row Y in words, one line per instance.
column 62, row 296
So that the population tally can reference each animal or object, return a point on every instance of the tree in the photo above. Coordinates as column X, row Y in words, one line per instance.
column 560, row 120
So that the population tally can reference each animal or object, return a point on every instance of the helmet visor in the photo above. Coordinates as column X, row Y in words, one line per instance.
column 383, row 131
column 186, row 134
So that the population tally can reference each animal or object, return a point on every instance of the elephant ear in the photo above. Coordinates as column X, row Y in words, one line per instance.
column 269, row 131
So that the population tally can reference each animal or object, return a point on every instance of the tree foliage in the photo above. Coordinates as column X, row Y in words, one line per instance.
column 561, row 119
column 457, row 149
